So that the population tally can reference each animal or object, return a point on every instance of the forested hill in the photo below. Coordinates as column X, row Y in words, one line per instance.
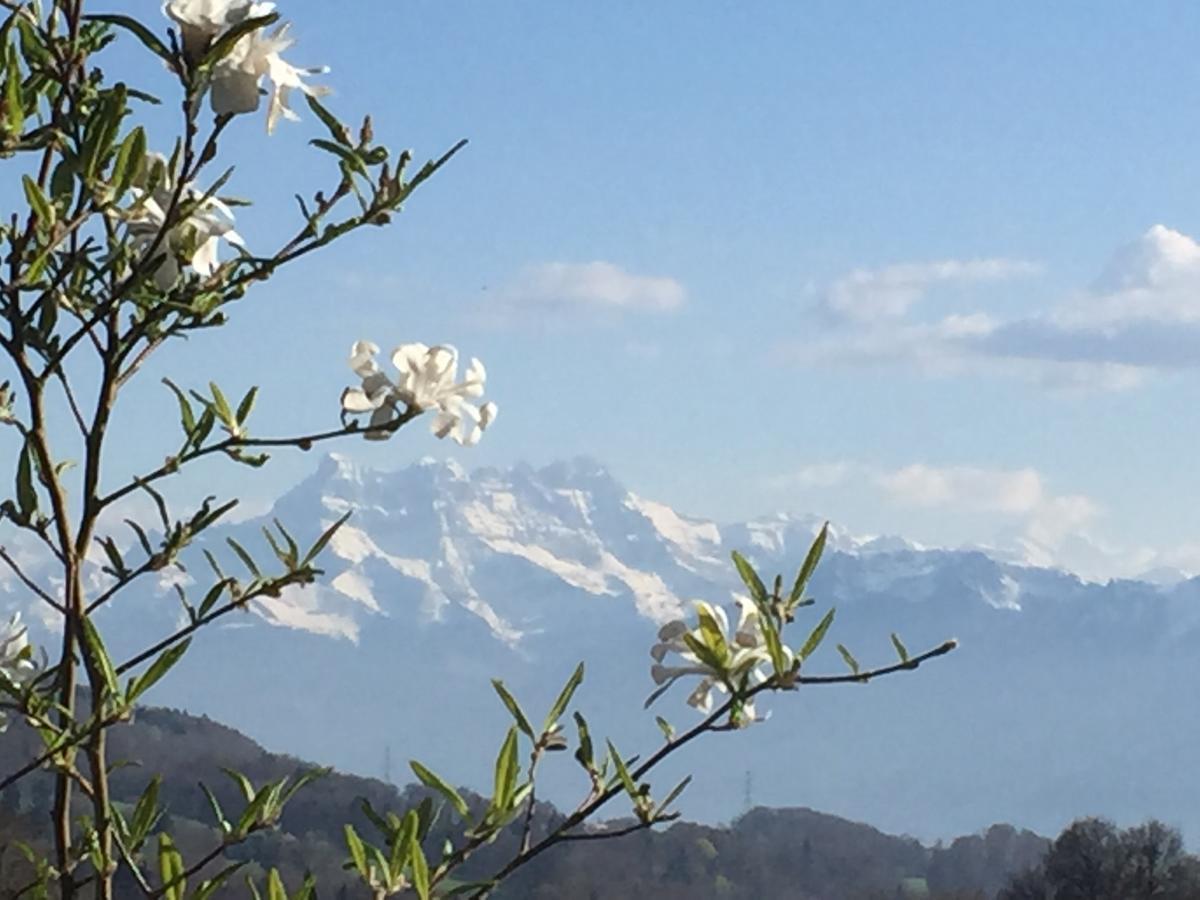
column 766, row 853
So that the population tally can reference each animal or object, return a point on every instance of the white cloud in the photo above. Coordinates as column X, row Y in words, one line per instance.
column 1140, row 316
column 869, row 294
column 1016, row 491
column 592, row 286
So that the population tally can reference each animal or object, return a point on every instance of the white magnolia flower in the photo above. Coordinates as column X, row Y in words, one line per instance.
column 194, row 240
column 16, row 663
column 427, row 380
column 202, row 20
column 746, row 653
column 235, row 86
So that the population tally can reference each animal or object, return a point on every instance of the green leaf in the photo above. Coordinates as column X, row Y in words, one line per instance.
column 672, row 796
column 337, row 130
column 99, row 657
column 246, row 558
column 187, row 419
column 433, row 780
column 758, row 592
column 160, row 667
column 255, row 812
column 171, row 869
column 242, row 782
column 507, row 770
column 357, row 852
column 128, row 162
column 849, row 658
column 247, row 404
column 712, row 635
column 211, row 598
column 275, row 889
column 513, row 707
column 37, row 202
column 210, row 886
column 901, row 650
column 27, row 500
column 666, row 728
column 622, row 772
column 215, row 806
column 564, row 698
column 138, row 30
column 810, row 565
column 817, row 635
column 584, row 753
column 145, row 814
column 349, row 157
column 324, row 539
column 224, row 410
column 224, row 44
column 420, row 868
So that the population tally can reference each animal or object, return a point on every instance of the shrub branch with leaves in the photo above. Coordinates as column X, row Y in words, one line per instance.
column 118, row 250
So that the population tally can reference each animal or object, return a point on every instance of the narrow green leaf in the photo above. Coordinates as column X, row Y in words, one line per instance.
column 584, row 753
column 622, row 772
column 810, row 565
column 187, row 418
column 510, row 702
column 758, row 592
column 222, row 46
column 242, row 782
column 275, row 889
column 99, row 657
column 215, row 806
column 246, row 558
column 27, row 500
column 357, row 852
column 901, row 650
column 324, row 539
column 433, row 780
column 138, row 30
column 666, row 728
column 337, row 130
column 672, row 796
column 37, row 202
column 159, row 668
column 348, row 156
column 564, row 698
column 817, row 635
column 849, row 658
column 420, row 868
column 224, row 410
column 128, row 161
column 247, row 404
column 507, row 770
column 171, row 869
column 145, row 813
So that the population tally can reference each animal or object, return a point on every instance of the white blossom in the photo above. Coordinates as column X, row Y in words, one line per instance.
column 237, row 77
column 200, row 21
column 193, row 240
column 745, row 653
column 427, row 380
column 16, row 663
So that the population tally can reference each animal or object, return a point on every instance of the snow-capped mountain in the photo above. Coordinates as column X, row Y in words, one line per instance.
column 1065, row 698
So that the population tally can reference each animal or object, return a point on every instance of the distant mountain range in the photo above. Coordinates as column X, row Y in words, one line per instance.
column 1065, row 698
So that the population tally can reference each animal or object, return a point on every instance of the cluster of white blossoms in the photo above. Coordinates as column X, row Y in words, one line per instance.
column 194, row 239
column 16, row 658
column 723, row 662
column 236, row 78
column 427, row 379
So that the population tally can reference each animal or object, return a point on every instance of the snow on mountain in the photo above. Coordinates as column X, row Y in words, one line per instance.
column 444, row 578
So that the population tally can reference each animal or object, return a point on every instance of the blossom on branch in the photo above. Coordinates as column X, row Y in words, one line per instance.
column 237, row 76
column 192, row 240
column 427, row 380
column 724, row 663
column 16, row 662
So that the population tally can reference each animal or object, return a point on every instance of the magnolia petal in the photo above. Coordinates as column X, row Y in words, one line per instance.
column 234, row 91
column 701, row 697
column 355, row 400
column 443, row 424
column 487, row 414
column 381, row 416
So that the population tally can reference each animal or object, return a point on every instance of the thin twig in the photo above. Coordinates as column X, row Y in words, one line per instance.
column 30, row 583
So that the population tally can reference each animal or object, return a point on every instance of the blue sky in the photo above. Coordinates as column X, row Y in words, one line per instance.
column 896, row 265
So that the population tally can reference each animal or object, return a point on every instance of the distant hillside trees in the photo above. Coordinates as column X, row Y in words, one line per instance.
column 1094, row 860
